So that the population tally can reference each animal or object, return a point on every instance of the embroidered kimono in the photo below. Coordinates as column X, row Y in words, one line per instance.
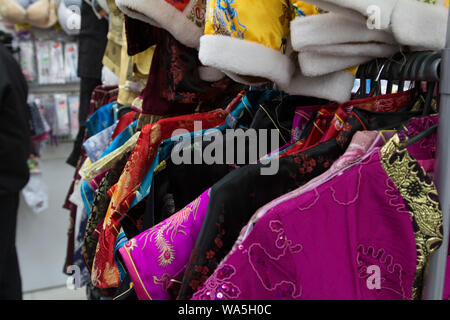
column 384, row 103
column 99, row 208
column 235, row 42
column 100, row 119
column 245, row 190
column 184, row 19
column 105, row 274
column 382, row 214
column 363, row 142
column 158, row 255
column 96, row 145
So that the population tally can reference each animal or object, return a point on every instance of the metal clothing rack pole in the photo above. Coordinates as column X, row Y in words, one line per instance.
column 435, row 274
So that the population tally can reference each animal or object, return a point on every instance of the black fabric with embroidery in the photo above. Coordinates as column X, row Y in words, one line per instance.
column 237, row 196
column 175, row 186
column 99, row 209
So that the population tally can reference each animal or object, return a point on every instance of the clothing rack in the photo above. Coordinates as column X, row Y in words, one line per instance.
column 434, row 284
column 431, row 67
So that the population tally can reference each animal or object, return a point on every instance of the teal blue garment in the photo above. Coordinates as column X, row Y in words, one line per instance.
column 87, row 193
column 240, row 117
column 120, row 242
column 101, row 119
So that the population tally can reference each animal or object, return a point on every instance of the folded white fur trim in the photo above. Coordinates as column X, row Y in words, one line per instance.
column 246, row 58
column 333, row 28
column 161, row 14
column 360, row 10
column 313, row 64
column 420, row 24
column 363, row 49
column 210, row 74
column 336, row 86
column 239, row 79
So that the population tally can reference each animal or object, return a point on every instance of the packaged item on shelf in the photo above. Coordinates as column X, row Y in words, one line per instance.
column 74, row 106
column 43, row 61
column 71, row 61
column 62, row 115
column 57, row 72
column 27, row 61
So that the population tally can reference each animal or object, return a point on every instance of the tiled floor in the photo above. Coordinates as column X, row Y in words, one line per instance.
column 59, row 293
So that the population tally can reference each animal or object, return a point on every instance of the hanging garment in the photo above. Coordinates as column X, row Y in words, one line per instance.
column 174, row 86
column 96, row 145
column 302, row 118
column 105, row 272
column 184, row 19
column 101, row 167
column 170, row 179
column 246, row 189
column 240, row 117
column 237, row 43
column 153, row 266
column 384, row 103
column 99, row 208
column 124, row 122
column 157, row 257
column 382, row 212
column 100, row 120
column 362, row 144
column 90, row 171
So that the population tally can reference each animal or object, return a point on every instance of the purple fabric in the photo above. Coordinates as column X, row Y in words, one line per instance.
column 318, row 245
column 158, row 256
column 323, row 244
column 362, row 143
column 302, row 117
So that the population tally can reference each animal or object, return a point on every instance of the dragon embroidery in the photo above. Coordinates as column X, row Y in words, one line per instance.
column 226, row 20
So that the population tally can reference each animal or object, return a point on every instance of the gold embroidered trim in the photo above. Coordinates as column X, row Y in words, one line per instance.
column 421, row 198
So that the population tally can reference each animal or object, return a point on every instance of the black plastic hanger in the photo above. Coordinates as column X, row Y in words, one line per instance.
column 419, row 137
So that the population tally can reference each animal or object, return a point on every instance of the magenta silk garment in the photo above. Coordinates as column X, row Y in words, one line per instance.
column 381, row 214
column 363, row 142
column 159, row 255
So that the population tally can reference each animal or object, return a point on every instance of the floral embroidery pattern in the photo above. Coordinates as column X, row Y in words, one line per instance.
column 356, row 192
column 164, row 281
column 258, row 257
column 218, row 288
column 198, row 12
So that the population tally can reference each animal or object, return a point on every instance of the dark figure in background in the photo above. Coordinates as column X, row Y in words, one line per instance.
column 14, row 172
